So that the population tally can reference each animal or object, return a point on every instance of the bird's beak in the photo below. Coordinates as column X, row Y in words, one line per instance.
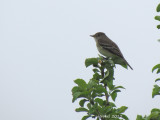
column 92, row 35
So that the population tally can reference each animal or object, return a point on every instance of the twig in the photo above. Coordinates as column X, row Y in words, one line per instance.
column 105, row 86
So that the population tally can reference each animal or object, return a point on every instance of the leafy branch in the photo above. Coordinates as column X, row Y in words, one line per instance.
column 158, row 17
column 95, row 95
column 155, row 112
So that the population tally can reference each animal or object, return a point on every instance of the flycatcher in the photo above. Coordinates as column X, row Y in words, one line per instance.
column 108, row 48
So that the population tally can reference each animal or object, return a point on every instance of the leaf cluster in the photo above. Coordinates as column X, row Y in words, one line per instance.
column 154, row 115
column 156, row 89
column 155, row 112
column 94, row 96
column 158, row 17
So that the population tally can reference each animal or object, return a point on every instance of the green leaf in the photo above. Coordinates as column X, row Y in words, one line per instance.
column 94, row 94
column 156, row 67
column 91, row 61
column 120, row 62
column 158, row 71
column 106, row 75
column 76, row 95
column 81, row 109
column 92, row 83
column 157, row 18
column 118, row 87
column 139, row 117
column 156, row 91
column 122, row 109
column 116, row 91
column 100, row 110
column 124, row 65
column 110, row 84
column 158, row 8
column 124, row 117
column 89, row 105
column 81, row 103
column 85, row 117
column 95, row 70
column 113, row 96
column 158, row 26
column 158, row 79
column 85, row 94
column 81, row 83
column 107, row 110
column 93, row 110
column 98, row 92
column 112, row 104
column 76, row 89
column 99, row 101
column 155, row 110
column 100, row 57
column 97, row 76
column 111, row 62
column 154, row 116
column 101, row 89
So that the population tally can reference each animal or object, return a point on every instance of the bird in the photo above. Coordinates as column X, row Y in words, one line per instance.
column 108, row 48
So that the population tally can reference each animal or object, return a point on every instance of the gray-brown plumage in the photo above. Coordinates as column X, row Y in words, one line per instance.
column 108, row 48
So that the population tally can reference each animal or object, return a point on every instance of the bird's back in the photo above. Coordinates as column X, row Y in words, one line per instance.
column 110, row 46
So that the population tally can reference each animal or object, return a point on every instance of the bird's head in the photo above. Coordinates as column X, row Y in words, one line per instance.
column 98, row 35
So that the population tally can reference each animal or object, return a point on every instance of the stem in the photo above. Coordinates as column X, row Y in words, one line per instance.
column 107, row 96
column 102, row 118
column 105, row 86
column 92, row 102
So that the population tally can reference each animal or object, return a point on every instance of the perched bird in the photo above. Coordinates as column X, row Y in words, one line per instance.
column 108, row 48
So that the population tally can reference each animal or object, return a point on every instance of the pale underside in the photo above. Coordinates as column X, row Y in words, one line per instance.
column 106, row 53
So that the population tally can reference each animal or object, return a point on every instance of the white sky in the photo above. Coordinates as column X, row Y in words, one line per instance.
column 44, row 43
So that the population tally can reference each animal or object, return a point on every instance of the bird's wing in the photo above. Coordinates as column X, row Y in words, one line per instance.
column 111, row 47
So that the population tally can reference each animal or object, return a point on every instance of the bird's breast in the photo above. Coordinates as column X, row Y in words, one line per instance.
column 104, row 51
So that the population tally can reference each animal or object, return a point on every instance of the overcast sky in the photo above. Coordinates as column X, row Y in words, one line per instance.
column 44, row 43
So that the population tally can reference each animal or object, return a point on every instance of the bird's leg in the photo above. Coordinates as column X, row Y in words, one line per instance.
column 107, row 58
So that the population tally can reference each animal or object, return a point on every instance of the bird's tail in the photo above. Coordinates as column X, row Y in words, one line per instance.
column 127, row 63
